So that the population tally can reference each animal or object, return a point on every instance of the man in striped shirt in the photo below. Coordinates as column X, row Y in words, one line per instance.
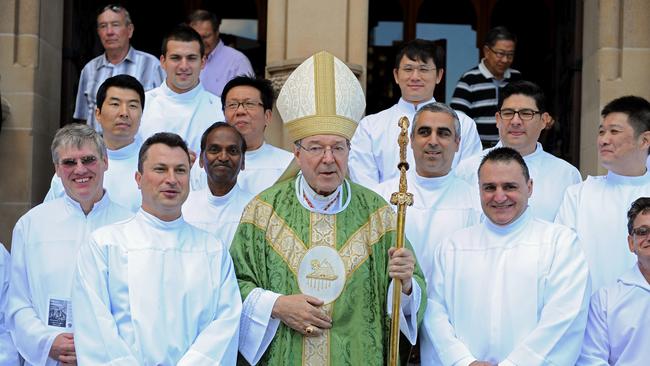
column 477, row 91
column 115, row 29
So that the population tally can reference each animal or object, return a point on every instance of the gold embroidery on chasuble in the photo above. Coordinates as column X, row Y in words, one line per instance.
column 327, row 264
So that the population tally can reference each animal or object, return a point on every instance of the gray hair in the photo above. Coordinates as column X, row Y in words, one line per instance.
column 76, row 135
column 437, row 107
column 117, row 9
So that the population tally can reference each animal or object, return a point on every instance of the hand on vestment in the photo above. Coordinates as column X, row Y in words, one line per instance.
column 301, row 311
column 481, row 363
column 62, row 349
column 401, row 266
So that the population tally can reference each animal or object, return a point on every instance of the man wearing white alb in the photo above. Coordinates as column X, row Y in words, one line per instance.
column 248, row 106
column 442, row 203
column 513, row 290
column 218, row 207
column 8, row 353
column 596, row 208
column 154, row 290
column 120, row 100
column 45, row 246
column 181, row 105
column 521, row 117
column 617, row 328
column 375, row 153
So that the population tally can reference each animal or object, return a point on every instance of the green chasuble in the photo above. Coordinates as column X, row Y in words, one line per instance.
column 274, row 235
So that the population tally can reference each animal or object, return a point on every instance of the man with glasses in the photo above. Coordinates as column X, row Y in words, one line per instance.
column 521, row 118
column 115, row 29
column 248, row 106
column 596, row 208
column 477, row 92
column 313, row 253
column 45, row 245
column 222, row 62
column 617, row 328
column 181, row 105
column 375, row 153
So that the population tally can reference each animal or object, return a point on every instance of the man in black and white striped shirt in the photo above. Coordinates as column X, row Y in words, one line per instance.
column 477, row 91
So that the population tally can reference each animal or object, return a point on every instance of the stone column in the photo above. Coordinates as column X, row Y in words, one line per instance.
column 31, row 33
column 298, row 28
column 616, row 55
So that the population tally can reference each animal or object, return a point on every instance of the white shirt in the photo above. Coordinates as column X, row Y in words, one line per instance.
column 441, row 206
column 617, row 330
column 258, row 305
column 514, row 295
column 119, row 179
column 597, row 210
column 218, row 215
column 551, row 177
column 262, row 168
column 45, row 246
column 374, row 154
column 8, row 353
column 150, row 292
column 188, row 114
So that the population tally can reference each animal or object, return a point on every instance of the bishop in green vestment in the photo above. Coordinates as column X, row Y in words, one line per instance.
column 313, row 253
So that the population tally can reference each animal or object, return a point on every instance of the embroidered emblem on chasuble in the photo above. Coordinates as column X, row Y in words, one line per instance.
column 321, row 271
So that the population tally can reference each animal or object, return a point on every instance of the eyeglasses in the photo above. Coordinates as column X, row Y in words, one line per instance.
column 88, row 160
column 641, row 233
column 248, row 105
column 410, row 69
column 524, row 114
column 502, row 54
column 338, row 151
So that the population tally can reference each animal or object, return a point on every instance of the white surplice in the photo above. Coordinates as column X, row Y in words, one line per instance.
column 441, row 206
column 44, row 248
column 514, row 295
column 597, row 210
column 8, row 353
column 374, row 153
column 150, row 292
column 217, row 215
column 551, row 177
column 617, row 329
column 119, row 178
column 188, row 114
column 262, row 169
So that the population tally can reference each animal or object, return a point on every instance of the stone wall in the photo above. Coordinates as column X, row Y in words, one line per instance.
column 616, row 55
column 30, row 68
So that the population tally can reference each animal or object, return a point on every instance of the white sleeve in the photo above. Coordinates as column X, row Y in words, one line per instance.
column 8, row 353
column 56, row 189
column 362, row 164
column 438, row 327
column 32, row 337
column 557, row 338
column 81, row 104
column 97, row 341
column 470, row 141
column 567, row 214
column 408, row 311
column 217, row 343
column 257, row 327
column 595, row 346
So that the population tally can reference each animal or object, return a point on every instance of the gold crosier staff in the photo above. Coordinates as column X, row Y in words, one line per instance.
column 401, row 199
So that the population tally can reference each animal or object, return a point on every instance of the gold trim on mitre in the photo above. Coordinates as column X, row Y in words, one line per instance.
column 320, row 125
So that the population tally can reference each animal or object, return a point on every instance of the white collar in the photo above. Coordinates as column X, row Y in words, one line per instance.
column 318, row 201
column 488, row 75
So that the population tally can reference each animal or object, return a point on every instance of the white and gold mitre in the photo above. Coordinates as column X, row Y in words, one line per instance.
column 321, row 97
